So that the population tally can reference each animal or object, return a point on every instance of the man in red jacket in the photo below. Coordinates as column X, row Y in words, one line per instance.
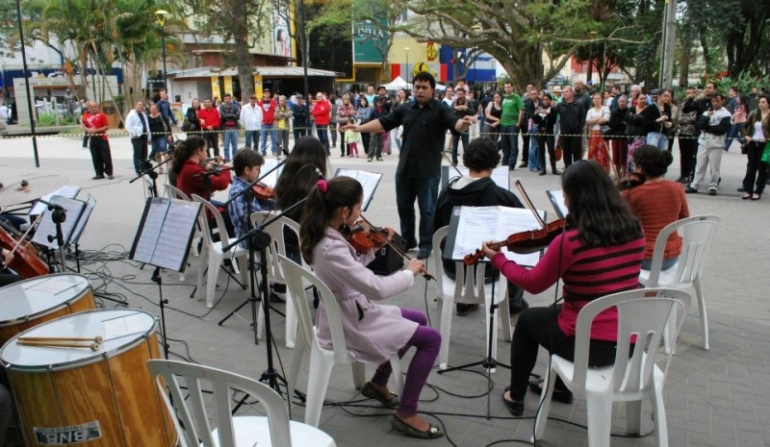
column 210, row 123
column 268, row 123
column 321, row 114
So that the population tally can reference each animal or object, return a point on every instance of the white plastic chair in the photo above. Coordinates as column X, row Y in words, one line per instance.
column 467, row 287
column 644, row 313
column 231, row 431
column 697, row 232
column 275, row 272
column 212, row 254
column 322, row 360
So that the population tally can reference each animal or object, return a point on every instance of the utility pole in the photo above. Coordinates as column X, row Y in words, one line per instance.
column 667, row 45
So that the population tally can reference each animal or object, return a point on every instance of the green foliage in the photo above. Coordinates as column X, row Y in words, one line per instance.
column 743, row 82
column 46, row 119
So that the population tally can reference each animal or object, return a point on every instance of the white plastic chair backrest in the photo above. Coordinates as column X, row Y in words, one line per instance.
column 470, row 291
column 295, row 274
column 222, row 230
column 697, row 232
column 197, row 427
column 278, row 241
column 173, row 192
column 641, row 312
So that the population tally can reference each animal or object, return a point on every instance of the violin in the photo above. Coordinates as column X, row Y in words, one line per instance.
column 525, row 241
column 364, row 238
column 373, row 238
column 262, row 191
column 631, row 180
column 26, row 261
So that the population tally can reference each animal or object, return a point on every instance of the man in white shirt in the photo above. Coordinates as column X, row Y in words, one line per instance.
column 713, row 125
column 138, row 128
column 251, row 119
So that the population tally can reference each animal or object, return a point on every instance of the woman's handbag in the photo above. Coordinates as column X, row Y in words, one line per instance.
column 557, row 150
column 766, row 154
column 186, row 125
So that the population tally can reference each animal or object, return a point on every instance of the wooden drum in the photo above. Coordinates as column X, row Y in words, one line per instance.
column 101, row 397
column 26, row 304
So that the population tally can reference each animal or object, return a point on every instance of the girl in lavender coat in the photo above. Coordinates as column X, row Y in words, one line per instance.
column 374, row 333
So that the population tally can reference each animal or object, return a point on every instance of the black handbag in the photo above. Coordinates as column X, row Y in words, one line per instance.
column 387, row 261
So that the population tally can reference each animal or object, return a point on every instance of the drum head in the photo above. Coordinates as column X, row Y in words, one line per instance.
column 29, row 299
column 120, row 329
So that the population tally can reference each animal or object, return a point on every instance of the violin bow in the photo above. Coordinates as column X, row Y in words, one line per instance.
column 443, row 154
column 528, row 202
column 397, row 249
column 24, row 236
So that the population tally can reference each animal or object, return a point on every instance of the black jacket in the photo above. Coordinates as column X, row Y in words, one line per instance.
column 652, row 113
column 545, row 123
column 572, row 117
column 618, row 121
column 301, row 115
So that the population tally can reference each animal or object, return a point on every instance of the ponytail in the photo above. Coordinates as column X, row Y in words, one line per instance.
column 184, row 150
column 323, row 201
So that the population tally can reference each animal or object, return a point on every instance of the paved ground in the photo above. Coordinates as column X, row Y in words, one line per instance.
column 713, row 398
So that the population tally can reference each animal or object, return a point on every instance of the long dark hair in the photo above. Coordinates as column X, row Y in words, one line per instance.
column 185, row 149
column 596, row 208
column 299, row 176
column 320, row 208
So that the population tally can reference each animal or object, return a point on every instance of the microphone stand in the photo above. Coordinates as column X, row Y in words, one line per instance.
column 259, row 241
column 153, row 174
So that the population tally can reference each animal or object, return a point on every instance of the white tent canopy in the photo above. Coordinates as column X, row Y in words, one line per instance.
column 397, row 84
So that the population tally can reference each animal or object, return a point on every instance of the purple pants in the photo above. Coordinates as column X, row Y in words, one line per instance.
column 427, row 341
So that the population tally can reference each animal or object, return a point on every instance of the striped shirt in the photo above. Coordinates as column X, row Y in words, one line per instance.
column 588, row 273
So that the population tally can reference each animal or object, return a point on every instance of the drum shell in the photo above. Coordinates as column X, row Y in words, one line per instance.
column 115, row 389
column 82, row 301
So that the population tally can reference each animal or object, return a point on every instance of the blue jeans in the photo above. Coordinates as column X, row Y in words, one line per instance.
column 323, row 135
column 658, row 140
column 268, row 129
column 252, row 139
column 231, row 141
column 534, row 162
column 735, row 131
column 667, row 263
column 510, row 141
column 425, row 191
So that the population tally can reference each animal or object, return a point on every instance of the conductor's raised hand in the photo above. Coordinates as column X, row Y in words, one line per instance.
column 416, row 266
column 352, row 126
column 488, row 252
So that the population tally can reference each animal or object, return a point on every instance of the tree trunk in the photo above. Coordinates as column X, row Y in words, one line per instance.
column 242, row 57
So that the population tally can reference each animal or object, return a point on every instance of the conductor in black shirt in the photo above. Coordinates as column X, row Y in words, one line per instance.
column 425, row 124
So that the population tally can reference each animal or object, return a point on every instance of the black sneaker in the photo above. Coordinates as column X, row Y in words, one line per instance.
column 690, row 190
column 712, row 192
column 464, row 309
column 98, row 177
column 424, row 253
column 524, row 164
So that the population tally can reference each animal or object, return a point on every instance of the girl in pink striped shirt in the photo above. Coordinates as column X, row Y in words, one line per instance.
column 599, row 253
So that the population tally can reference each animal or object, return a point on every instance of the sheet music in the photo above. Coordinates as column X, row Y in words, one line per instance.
column 272, row 179
column 69, row 192
column 90, row 204
column 46, row 227
column 556, row 197
column 499, row 175
column 164, row 236
column 479, row 224
column 368, row 181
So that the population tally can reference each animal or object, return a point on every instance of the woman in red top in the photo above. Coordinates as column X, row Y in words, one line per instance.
column 599, row 253
column 189, row 167
column 657, row 203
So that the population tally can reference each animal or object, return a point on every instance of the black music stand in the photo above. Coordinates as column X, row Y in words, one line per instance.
column 78, row 231
column 163, row 240
column 57, row 225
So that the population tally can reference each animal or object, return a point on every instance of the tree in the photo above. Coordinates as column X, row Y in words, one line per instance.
column 241, row 22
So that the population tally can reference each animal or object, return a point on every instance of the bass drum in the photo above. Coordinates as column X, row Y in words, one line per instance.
column 25, row 304
column 101, row 398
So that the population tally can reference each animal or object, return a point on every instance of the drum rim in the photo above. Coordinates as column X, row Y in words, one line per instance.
column 96, row 358
column 50, row 310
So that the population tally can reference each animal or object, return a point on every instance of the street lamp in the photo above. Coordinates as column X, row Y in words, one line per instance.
column 407, row 67
column 160, row 15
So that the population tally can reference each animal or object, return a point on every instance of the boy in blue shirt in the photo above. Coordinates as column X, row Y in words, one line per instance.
column 247, row 165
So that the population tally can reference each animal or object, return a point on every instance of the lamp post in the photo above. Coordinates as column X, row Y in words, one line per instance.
column 26, row 85
column 160, row 15
column 406, row 49
column 590, row 75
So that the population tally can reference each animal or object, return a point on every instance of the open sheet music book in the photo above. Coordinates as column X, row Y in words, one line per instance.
column 90, row 204
column 499, row 176
column 46, row 227
column 556, row 197
column 368, row 180
column 165, row 233
column 470, row 226
column 69, row 192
